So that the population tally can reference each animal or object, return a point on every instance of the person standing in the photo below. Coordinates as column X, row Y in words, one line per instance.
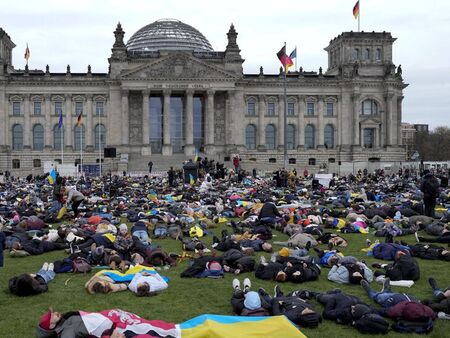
column 171, row 176
column 430, row 188
column 150, row 166
column 75, row 197
column 236, row 163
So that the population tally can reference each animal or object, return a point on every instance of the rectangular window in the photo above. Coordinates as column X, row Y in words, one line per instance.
column 78, row 108
column 310, row 108
column 37, row 108
column 369, row 137
column 58, row 108
column 16, row 164
column 251, row 108
column 330, row 107
column 291, row 109
column 16, row 108
column 99, row 108
column 271, row 108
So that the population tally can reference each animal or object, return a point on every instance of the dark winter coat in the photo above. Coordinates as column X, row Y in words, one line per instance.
column 387, row 251
column 404, row 268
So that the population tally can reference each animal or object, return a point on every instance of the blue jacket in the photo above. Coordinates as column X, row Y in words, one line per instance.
column 387, row 251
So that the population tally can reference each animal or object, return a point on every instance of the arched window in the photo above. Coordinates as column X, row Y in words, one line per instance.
column 100, row 136
column 290, row 136
column 271, row 108
column 367, row 54
column 329, row 136
column 79, row 137
column 378, row 54
column 270, row 136
column 309, row 136
column 251, row 107
column 369, row 107
column 17, row 137
column 38, row 137
column 250, row 137
column 58, row 135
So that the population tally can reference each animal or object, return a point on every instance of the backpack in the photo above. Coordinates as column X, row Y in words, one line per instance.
column 406, row 326
column 81, row 265
column 372, row 323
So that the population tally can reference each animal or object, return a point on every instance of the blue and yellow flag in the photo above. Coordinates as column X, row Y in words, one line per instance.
column 196, row 156
column 216, row 326
column 191, row 179
column 52, row 176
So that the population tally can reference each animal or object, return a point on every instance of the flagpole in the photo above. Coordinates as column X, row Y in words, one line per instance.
column 62, row 145
column 81, row 151
column 285, row 114
column 359, row 16
column 296, row 58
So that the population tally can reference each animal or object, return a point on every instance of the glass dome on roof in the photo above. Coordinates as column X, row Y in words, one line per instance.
column 168, row 34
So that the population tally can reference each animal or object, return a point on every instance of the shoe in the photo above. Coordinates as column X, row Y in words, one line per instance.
column 247, row 285
column 262, row 292
column 376, row 265
column 236, row 284
column 262, row 260
column 365, row 285
column 386, row 284
column 433, row 283
column 224, row 233
column 45, row 266
column 368, row 242
column 51, row 266
column 277, row 291
column 417, row 237
column 308, row 245
column 273, row 258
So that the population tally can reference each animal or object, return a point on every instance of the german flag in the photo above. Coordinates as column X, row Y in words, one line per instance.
column 356, row 10
column 285, row 60
column 79, row 119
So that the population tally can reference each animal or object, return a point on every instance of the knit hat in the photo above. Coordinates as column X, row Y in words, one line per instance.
column 97, row 254
column 214, row 266
column 284, row 252
column 252, row 300
column 45, row 320
column 123, row 228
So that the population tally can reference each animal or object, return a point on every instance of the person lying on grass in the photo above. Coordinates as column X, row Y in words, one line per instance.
column 147, row 284
column 29, row 284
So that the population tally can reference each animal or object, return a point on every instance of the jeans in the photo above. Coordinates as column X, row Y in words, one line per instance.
column 46, row 275
column 56, row 205
column 142, row 235
column 10, row 240
column 270, row 220
column 299, row 253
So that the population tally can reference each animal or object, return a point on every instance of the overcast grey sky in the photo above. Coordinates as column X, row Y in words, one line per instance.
column 80, row 32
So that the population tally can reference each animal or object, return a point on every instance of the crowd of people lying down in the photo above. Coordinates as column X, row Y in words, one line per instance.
column 118, row 230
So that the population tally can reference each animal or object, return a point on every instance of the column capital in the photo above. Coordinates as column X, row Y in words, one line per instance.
column 388, row 96
column 89, row 97
column 167, row 92
column 262, row 98
column 321, row 97
column 355, row 96
column 400, row 98
column 302, row 98
column 210, row 92
column 47, row 97
column 68, row 97
column 125, row 92
column 146, row 92
column 189, row 92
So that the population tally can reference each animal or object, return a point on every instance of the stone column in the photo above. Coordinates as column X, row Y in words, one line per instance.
column 356, row 106
column 189, row 148
column 339, row 123
column 125, row 118
column 320, row 125
column 89, row 123
column 389, row 119
column 301, row 122
column 167, row 147
column 280, row 130
column 377, row 138
column 146, row 148
column 399, row 120
column 209, row 126
column 48, row 122
column 3, row 114
column 261, row 130
column 68, row 128
column 27, row 132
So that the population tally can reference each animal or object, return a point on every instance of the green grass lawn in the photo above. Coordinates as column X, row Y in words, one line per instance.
column 185, row 298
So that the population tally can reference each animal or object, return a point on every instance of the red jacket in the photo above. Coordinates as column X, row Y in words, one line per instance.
column 410, row 310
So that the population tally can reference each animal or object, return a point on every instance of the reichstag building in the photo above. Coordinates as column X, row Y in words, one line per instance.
column 167, row 94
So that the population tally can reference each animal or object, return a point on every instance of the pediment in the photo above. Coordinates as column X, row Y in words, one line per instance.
column 370, row 121
column 178, row 66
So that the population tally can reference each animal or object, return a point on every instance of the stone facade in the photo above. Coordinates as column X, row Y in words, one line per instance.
column 350, row 112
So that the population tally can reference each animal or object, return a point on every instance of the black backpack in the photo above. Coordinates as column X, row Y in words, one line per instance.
column 406, row 326
column 372, row 323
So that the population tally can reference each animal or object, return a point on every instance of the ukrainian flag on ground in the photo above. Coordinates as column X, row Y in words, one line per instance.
column 216, row 326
